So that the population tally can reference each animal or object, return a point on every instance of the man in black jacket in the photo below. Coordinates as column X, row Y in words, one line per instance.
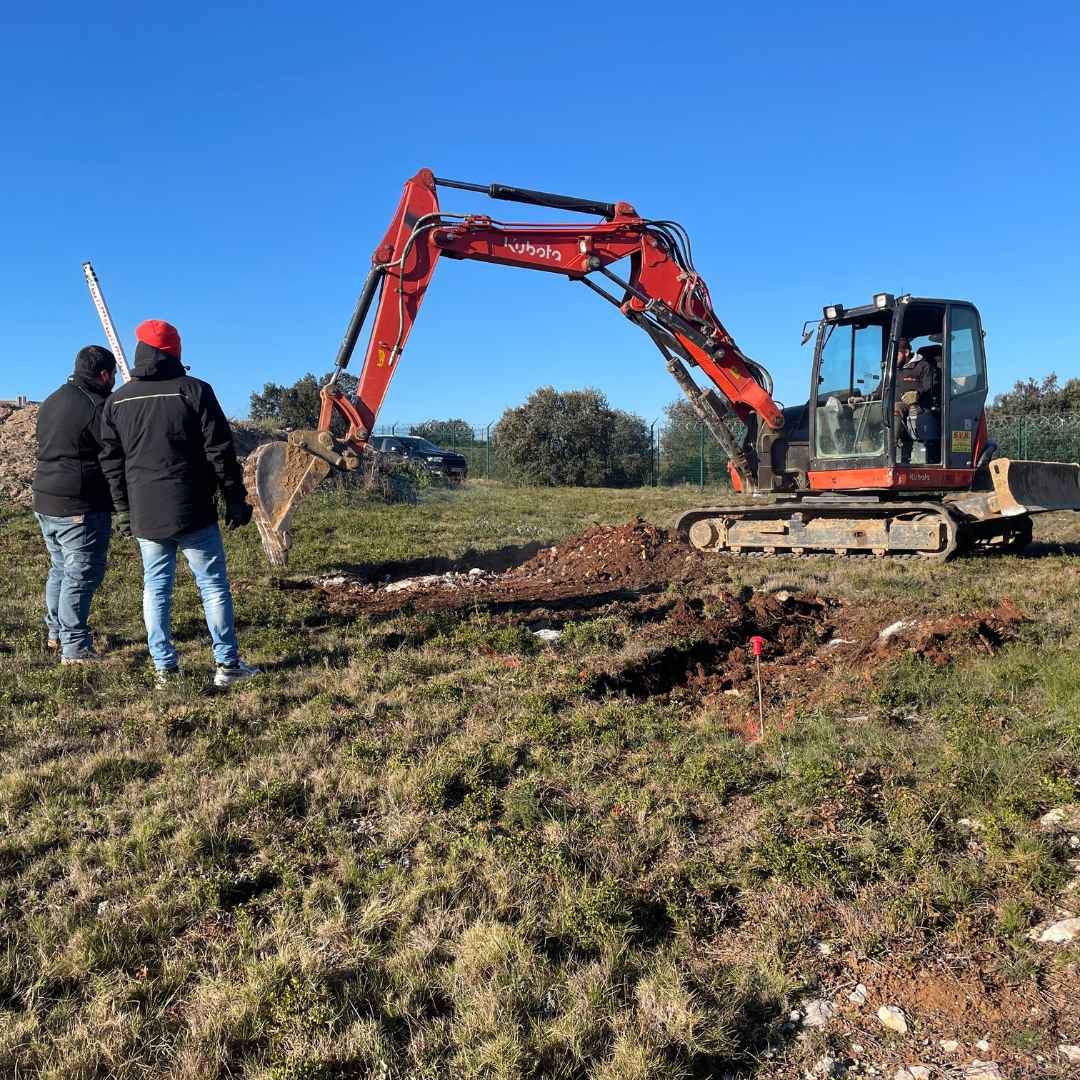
column 167, row 448
column 71, row 500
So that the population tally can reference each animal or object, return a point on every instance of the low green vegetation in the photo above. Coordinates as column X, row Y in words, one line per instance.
column 419, row 847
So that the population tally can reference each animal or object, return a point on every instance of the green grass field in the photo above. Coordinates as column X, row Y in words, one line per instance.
column 419, row 847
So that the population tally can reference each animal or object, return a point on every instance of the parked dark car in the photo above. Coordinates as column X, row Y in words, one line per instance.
column 415, row 449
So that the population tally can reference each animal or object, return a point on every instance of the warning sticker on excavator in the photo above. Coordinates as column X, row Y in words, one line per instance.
column 961, row 442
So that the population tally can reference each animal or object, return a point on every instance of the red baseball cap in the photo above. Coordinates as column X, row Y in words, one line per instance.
column 159, row 335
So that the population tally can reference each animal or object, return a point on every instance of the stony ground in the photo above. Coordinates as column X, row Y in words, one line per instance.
column 504, row 805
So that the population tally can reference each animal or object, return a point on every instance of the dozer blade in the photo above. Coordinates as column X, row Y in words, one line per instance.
column 278, row 476
column 1034, row 487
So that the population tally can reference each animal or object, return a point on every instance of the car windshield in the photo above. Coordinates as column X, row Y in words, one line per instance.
column 422, row 445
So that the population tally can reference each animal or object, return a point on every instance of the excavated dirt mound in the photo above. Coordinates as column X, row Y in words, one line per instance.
column 693, row 647
column 18, row 453
column 637, row 552
column 604, row 563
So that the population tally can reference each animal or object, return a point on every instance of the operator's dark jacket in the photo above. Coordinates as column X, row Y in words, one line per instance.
column 921, row 376
column 68, row 479
column 167, row 448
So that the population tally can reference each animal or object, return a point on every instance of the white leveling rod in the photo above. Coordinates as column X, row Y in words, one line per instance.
column 106, row 322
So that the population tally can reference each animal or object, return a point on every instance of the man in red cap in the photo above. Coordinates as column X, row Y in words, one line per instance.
column 166, row 450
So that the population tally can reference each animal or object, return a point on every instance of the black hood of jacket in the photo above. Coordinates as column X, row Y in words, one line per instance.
column 151, row 363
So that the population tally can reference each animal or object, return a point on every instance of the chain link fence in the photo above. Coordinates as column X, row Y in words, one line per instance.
column 686, row 453
column 1036, row 438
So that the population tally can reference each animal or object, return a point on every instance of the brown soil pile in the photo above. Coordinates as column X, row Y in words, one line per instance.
column 602, row 564
column 944, row 640
column 18, row 453
column 635, row 553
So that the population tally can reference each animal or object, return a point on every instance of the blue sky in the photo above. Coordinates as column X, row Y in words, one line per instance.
column 231, row 169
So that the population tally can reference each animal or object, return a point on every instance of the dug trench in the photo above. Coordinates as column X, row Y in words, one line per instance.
column 690, row 633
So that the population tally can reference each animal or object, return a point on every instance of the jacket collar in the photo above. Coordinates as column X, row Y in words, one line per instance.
column 90, row 385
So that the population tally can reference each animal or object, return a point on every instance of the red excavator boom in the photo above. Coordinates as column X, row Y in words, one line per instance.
column 662, row 293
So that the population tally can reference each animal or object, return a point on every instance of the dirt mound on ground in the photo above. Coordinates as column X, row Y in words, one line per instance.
column 18, row 453
column 604, row 561
column 637, row 552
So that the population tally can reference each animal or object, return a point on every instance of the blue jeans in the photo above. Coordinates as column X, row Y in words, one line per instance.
column 78, row 547
column 205, row 554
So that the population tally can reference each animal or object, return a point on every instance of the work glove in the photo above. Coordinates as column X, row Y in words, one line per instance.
column 237, row 510
column 910, row 398
column 122, row 522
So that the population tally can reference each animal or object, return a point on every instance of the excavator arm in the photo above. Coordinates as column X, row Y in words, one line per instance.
column 662, row 293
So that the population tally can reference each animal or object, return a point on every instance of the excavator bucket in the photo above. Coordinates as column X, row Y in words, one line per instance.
column 1035, row 487
column 278, row 475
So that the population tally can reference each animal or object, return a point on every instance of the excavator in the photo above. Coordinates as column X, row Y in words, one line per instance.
column 846, row 473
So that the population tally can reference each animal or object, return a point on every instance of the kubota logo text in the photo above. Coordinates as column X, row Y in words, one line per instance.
column 526, row 247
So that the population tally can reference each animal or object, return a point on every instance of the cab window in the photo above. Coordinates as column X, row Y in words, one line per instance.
column 967, row 369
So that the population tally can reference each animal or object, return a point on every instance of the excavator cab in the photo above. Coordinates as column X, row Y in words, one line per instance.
column 897, row 384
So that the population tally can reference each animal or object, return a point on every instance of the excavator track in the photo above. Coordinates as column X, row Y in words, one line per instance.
column 838, row 526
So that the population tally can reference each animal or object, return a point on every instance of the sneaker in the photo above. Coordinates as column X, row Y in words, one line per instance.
column 166, row 677
column 226, row 676
column 83, row 656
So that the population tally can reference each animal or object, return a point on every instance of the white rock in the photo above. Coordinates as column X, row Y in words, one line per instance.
column 475, row 572
column 334, row 581
column 982, row 1070
column 919, row 1072
column 902, row 1074
column 839, row 641
column 893, row 1018
column 547, row 634
column 794, row 1016
column 827, row 1066
column 950, row 1046
column 1065, row 930
column 397, row 586
column 1061, row 817
column 1070, row 1052
column 858, row 1049
column 893, row 629
column 982, row 1046
column 819, row 1012
column 858, row 995
column 824, row 948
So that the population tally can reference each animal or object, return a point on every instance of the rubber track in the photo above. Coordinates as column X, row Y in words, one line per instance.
column 837, row 508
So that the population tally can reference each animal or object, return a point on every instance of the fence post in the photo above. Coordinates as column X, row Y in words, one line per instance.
column 1020, row 436
column 652, row 455
column 487, row 452
column 701, row 456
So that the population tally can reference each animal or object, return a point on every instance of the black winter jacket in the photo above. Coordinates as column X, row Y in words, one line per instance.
column 167, row 448
column 68, row 479
column 920, row 376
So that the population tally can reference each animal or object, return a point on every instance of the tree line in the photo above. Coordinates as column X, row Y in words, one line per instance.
column 575, row 437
